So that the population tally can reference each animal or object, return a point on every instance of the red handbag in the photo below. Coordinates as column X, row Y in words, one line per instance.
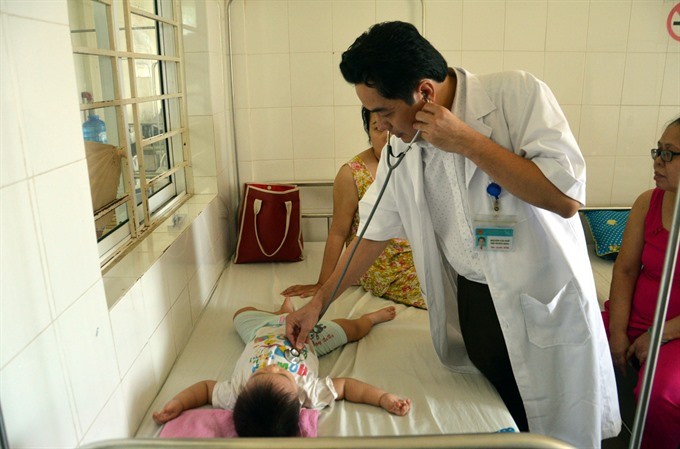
column 269, row 224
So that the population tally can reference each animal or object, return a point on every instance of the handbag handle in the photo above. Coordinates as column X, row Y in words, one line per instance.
column 256, row 210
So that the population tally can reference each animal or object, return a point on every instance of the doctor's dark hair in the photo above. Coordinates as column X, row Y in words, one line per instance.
column 262, row 410
column 366, row 117
column 393, row 58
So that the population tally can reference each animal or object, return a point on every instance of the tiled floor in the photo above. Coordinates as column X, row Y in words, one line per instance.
column 602, row 272
column 624, row 385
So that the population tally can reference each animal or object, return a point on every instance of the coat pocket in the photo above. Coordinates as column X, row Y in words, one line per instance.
column 561, row 321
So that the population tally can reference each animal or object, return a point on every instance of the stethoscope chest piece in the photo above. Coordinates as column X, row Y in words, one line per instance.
column 292, row 355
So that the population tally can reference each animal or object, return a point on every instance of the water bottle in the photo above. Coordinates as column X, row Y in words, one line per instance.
column 94, row 129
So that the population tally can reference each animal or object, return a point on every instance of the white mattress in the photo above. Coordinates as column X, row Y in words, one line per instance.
column 397, row 356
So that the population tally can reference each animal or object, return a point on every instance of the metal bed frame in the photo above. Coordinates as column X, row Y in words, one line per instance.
column 470, row 441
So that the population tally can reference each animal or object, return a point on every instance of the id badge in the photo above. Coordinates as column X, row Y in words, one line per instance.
column 494, row 233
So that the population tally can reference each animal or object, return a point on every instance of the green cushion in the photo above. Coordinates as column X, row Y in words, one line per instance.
column 607, row 228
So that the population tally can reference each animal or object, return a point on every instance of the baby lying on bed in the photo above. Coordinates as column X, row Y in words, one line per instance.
column 272, row 380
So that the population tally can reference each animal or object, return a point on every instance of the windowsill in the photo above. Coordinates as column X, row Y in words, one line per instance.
column 124, row 273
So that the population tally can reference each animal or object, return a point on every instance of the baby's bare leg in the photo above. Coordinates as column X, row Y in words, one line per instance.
column 286, row 307
column 360, row 327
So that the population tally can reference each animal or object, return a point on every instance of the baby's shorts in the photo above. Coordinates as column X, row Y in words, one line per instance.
column 326, row 336
column 247, row 323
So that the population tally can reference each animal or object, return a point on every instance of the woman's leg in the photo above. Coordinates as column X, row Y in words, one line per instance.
column 358, row 328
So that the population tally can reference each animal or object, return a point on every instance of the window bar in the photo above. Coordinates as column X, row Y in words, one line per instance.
column 99, row 213
column 135, row 117
column 184, row 114
column 129, row 181
column 157, row 138
column 93, row 30
column 124, row 54
column 127, row 101
column 167, row 173
column 123, row 138
column 141, row 12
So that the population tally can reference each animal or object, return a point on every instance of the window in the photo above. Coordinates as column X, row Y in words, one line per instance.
column 130, row 76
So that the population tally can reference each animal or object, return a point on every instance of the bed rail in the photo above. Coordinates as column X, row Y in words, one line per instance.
column 471, row 441
column 314, row 213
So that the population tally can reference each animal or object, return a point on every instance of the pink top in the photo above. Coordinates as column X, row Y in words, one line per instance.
column 648, row 283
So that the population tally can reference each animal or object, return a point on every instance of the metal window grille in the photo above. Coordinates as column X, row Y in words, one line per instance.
column 128, row 56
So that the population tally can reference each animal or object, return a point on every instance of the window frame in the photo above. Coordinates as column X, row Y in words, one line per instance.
column 144, row 216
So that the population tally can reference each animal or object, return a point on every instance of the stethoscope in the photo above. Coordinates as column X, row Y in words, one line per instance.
column 399, row 157
column 292, row 355
column 390, row 168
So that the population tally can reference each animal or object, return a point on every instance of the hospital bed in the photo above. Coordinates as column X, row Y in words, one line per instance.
column 397, row 356
column 449, row 409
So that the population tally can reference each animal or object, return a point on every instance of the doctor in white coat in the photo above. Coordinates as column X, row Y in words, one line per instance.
column 495, row 158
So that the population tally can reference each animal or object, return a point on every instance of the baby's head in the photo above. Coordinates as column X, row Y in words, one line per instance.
column 268, row 405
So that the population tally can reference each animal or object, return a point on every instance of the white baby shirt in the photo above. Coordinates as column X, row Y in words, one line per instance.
column 268, row 348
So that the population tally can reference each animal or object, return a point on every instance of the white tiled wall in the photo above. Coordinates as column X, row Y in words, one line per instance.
column 74, row 367
column 611, row 64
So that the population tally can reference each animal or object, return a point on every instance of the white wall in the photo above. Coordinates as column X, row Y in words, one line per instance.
column 611, row 64
column 71, row 370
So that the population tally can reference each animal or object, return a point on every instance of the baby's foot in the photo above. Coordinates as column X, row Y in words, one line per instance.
column 382, row 315
column 287, row 306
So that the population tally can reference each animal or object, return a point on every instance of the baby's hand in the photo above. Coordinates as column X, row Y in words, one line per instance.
column 395, row 405
column 171, row 410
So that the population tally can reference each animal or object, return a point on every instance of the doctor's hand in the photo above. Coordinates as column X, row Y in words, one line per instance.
column 618, row 345
column 640, row 348
column 301, row 322
column 302, row 290
column 439, row 126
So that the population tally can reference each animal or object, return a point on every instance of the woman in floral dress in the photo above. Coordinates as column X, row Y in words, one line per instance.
column 393, row 275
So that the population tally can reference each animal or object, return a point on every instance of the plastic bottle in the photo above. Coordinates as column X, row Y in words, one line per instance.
column 94, row 129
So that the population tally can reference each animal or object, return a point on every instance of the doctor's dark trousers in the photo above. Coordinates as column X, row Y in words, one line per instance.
column 486, row 347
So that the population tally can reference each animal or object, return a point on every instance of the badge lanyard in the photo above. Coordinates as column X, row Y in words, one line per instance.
column 494, row 191
column 494, row 232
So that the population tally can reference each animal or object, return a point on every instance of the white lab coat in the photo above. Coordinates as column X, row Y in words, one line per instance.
column 543, row 291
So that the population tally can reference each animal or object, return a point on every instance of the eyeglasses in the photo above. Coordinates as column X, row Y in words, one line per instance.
column 666, row 155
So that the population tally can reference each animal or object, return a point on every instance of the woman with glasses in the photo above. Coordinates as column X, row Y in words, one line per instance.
column 629, row 313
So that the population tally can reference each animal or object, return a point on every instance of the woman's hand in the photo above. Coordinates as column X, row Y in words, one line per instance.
column 640, row 348
column 302, row 290
column 394, row 404
column 618, row 346
column 171, row 410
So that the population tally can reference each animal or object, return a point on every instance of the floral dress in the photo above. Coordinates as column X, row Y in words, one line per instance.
column 392, row 275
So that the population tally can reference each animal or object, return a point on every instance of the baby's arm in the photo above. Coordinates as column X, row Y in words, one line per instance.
column 195, row 396
column 357, row 391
